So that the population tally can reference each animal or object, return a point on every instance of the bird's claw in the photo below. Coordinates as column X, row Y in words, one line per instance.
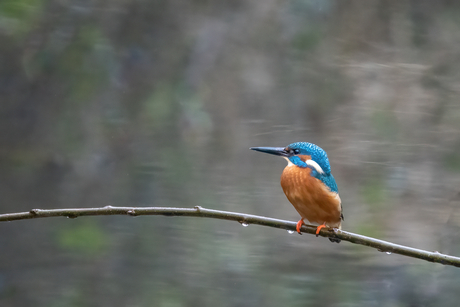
column 318, row 229
column 298, row 226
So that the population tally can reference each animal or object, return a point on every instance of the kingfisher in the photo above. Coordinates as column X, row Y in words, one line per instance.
column 309, row 185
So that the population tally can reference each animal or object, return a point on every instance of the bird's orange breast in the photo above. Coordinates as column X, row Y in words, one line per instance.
column 311, row 197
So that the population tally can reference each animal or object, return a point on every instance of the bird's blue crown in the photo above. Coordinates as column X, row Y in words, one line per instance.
column 317, row 154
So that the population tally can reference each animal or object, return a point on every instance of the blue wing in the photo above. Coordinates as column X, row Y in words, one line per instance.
column 330, row 182
column 327, row 179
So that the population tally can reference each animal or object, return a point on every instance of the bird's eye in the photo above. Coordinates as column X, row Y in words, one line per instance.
column 296, row 151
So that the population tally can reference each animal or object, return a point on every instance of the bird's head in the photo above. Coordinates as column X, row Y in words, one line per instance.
column 301, row 154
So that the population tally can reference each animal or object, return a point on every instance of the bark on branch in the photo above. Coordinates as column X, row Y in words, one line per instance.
column 382, row 246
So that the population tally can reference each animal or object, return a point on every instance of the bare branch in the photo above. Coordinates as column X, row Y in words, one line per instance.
column 242, row 218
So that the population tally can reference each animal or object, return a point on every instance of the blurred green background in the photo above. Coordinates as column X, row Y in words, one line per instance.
column 156, row 103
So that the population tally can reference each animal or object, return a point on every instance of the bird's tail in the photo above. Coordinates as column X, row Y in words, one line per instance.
column 334, row 240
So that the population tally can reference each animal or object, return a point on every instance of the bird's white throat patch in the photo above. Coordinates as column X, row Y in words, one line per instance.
column 289, row 161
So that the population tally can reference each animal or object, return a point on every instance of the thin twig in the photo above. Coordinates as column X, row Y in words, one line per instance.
column 382, row 246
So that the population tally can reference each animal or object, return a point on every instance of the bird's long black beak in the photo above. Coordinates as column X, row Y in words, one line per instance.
column 277, row 151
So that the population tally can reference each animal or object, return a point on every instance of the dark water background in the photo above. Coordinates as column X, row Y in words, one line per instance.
column 155, row 103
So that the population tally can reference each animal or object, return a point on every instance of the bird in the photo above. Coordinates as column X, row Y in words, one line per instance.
column 309, row 185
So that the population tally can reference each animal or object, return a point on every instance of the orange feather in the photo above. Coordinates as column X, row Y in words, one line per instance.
column 310, row 197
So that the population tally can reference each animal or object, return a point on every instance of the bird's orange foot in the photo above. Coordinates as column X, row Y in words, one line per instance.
column 299, row 225
column 318, row 229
